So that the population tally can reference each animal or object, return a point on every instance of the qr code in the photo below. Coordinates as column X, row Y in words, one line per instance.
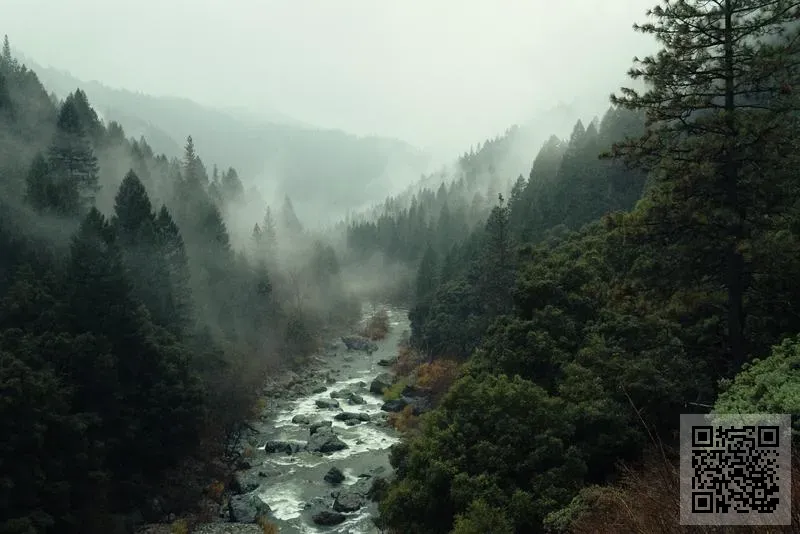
column 735, row 469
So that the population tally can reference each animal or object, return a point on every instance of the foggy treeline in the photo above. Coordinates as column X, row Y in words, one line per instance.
column 133, row 333
column 561, row 319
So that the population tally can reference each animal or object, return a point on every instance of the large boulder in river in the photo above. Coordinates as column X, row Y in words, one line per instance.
column 334, row 475
column 314, row 427
column 387, row 362
column 327, row 404
column 381, row 382
column 301, row 419
column 247, row 508
column 354, row 399
column 245, row 482
column 325, row 441
column 352, row 416
column 328, row 518
column 286, row 447
column 359, row 343
column 348, row 501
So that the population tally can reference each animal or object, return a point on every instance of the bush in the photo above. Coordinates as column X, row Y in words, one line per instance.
column 404, row 421
column 436, row 377
column 377, row 326
column 268, row 527
column 646, row 501
column 394, row 391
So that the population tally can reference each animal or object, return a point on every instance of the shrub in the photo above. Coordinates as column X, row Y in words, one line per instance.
column 179, row 527
column 436, row 377
column 377, row 326
column 267, row 527
column 394, row 391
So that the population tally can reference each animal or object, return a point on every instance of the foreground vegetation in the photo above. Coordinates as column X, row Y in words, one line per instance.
column 608, row 295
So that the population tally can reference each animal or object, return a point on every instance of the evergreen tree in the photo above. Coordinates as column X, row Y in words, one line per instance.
column 174, row 253
column 73, row 167
column 714, row 100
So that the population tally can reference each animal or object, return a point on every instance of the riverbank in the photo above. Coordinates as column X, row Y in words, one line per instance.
column 313, row 419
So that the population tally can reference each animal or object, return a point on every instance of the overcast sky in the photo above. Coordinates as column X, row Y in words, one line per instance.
column 437, row 73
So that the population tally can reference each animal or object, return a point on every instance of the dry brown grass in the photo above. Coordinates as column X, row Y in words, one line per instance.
column 377, row 326
column 647, row 501
column 267, row 527
column 404, row 421
column 437, row 376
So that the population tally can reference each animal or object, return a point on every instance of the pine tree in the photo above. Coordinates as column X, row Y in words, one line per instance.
column 716, row 97
column 497, row 270
column 72, row 163
column 174, row 252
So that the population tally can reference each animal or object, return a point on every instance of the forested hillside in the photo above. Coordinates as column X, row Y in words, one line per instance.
column 327, row 171
column 606, row 295
column 133, row 334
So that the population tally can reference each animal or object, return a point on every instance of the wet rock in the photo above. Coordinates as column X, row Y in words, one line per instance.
column 348, row 501
column 301, row 419
column 381, row 382
column 328, row 518
column 318, row 425
column 326, row 404
column 323, row 440
column 348, row 359
column 334, row 475
column 352, row 416
column 359, row 343
column 387, row 362
column 268, row 471
column 319, row 389
column 247, row 509
column 286, row 447
column 354, row 399
column 396, row 405
column 340, row 393
column 330, row 380
column 244, row 482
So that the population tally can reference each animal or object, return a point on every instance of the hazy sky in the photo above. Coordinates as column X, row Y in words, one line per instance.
column 437, row 73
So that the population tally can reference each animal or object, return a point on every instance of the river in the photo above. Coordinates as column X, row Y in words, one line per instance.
column 293, row 485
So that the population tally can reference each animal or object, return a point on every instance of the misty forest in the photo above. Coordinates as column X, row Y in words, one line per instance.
column 536, row 332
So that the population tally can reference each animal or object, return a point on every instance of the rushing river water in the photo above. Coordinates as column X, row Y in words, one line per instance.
column 296, row 487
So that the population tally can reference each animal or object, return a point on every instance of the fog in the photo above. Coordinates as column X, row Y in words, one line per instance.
column 441, row 75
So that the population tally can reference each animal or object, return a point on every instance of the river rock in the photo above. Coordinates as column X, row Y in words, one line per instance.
column 325, row 441
column 334, row 475
column 328, row 518
column 359, row 343
column 326, row 404
column 340, row 393
column 247, row 508
column 286, row 447
column 348, row 501
column 319, row 389
column 314, row 427
column 387, row 362
column 301, row 419
column 354, row 399
column 352, row 416
column 244, row 482
column 396, row 405
column 381, row 382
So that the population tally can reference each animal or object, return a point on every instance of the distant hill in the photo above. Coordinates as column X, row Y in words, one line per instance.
column 325, row 172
